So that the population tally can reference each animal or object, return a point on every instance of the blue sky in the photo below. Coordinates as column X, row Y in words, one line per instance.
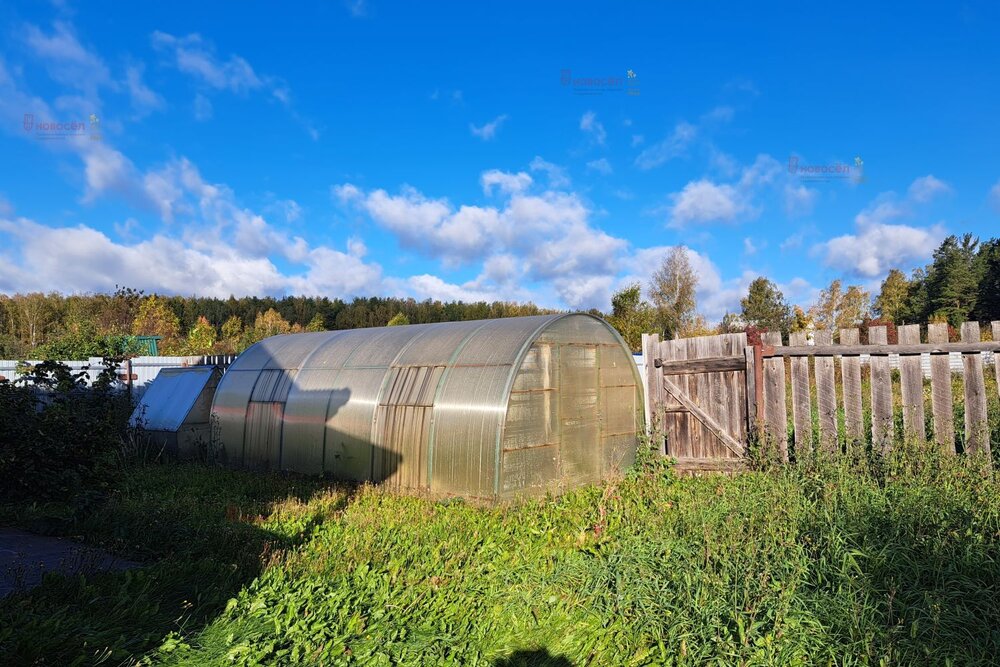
column 466, row 151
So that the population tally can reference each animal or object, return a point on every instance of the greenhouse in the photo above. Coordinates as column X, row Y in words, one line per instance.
column 487, row 409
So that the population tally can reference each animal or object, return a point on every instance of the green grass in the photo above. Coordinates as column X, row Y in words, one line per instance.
column 875, row 562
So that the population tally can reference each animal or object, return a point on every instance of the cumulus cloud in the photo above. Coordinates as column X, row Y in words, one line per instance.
column 504, row 181
column 542, row 238
column 925, row 188
column 488, row 131
column 593, row 127
column 877, row 247
column 704, row 201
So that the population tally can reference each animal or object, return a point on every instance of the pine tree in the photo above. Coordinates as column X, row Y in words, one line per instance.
column 953, row 280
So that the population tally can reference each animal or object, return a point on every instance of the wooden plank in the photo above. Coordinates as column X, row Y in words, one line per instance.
column 706, row 365
column 977, row 431
column 941, row 399
column 881, row 350
column 826, row 396
column 850, row 370
column 703, row 417
column 911, row 381
column 801, row 405
column 996, row 356
column 656, row 423
column 775, row 410
column 881, row 380
column 751, row 389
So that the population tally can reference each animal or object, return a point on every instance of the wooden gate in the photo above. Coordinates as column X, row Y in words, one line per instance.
column 704, row 393
column 697, row 392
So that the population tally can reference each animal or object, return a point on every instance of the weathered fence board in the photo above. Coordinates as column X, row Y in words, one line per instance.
column 801, row 406
column 707, row 392
column 881, row 389
column 941, row 399
column 911, row 385
column 850, row 368
column 996, row 359
column 977, row 438
column 826, row 396
column 775, row 410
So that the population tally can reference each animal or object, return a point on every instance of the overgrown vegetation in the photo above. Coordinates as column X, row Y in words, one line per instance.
column 59, row 439
column 868, row 561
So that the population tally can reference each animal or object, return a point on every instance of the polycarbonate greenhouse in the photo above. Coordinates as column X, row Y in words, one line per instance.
column 489, row 408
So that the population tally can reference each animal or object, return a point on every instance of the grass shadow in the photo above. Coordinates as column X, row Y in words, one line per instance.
column 202, row 534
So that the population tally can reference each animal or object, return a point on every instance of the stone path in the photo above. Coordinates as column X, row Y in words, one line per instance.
column 26, row 557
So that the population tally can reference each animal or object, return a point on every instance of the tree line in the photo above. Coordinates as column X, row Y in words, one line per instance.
column 961, row 283
column 57, row 326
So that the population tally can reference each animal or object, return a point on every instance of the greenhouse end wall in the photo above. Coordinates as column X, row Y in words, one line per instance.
column 491, row 408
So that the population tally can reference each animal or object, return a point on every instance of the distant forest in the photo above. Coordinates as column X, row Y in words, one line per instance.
column 57, row 326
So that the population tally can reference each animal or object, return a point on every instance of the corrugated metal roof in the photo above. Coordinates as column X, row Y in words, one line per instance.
column 168, row 401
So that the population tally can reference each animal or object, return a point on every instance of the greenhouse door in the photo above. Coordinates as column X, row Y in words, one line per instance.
column 579, row 413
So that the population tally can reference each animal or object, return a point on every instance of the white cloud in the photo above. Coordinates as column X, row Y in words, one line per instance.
column 67, row 60
column 669, row 148
column 601, row 165
column 196, row 57
column 749, row 247
column 925, row 188
column 505, row 181
column 144, row 99
column 545, row 239
column 704, row 201
column 489, row 130
column 593, row 127
column 994, row 196
column 193, row 56
column 878, row 247
column 556, row 174
column 799, row 200
column 884, row 209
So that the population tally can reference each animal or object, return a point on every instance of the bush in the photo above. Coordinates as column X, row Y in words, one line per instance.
column 57, row 436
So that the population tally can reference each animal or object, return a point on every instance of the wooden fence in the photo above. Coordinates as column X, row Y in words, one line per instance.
column 707, row 394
